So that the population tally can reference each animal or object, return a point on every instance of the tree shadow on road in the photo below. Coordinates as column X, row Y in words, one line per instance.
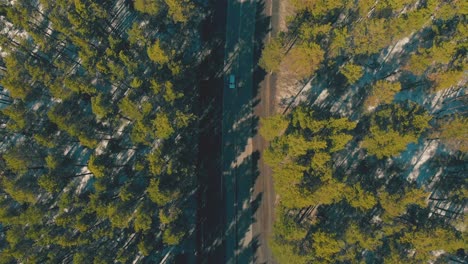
column 219, row 149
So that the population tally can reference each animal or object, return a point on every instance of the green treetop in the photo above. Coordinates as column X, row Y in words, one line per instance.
column 157, row 54
column 325, row 246
column 393, row 127
column 151, row 7
column 453, row 133
column 272, row 55
column 382, row 92
column 352, row 72
column 303, row 60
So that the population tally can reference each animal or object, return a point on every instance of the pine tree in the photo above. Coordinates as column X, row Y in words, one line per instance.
column 352, row 72
column 272, row 55
column 303, row 60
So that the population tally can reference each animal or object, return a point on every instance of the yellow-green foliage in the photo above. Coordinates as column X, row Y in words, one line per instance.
column 21, row 195
column 453, row 133
column 172, row 237
column 394, row 127
column 355, row 236
column 325, row 246
column 286, row 237
column 272, row 55
column 306, row 148
column 303, row 60
column 180, row 10
column 142, row 221
column 147, row 6
column 317, row 7
column 424, row 241
column 157, row 54
column 382, row 92
column 159, row 196
column 384, row 144
column 359, row 198
column 352, row 72
column 163, row 126
column 96, row 167
column 395, row 205
column 439, row 54
column 445, row 80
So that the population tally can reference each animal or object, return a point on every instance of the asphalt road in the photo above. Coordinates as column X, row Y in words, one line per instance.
column 237, row 127
column 246, row 182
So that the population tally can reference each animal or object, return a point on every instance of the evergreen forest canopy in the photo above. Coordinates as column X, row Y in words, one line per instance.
column 373, row 170
column 97, row 155
column 98, row 109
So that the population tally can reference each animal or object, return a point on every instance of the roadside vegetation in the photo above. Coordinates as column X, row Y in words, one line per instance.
column 98, row 100
column 370, row 168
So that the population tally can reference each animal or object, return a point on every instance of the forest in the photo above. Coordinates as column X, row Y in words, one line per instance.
column 96, row 155
column 371, row 166
column 100, row 118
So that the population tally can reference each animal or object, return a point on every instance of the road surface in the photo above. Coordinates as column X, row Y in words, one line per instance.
column 264, row 215
column 237, row 166
column 246, row 183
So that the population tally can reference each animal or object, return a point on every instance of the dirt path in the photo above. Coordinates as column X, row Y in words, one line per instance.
column 264, row 215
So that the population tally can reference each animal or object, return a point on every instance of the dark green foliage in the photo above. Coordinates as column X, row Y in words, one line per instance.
column 393, row 127
column 303, row 154
column 88, row 140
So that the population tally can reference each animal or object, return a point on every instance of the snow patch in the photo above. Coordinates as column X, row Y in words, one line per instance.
column 418, row 160
column 323, row 95
column 36, row 106
column 84, row 180
column 67, row 150
column 101, row 147
column 376, row 219
column 397, row 48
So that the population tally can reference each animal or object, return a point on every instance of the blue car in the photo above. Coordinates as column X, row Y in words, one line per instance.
column 232, row 81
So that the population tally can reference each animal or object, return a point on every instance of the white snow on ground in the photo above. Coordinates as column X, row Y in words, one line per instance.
column 435, row 179
column 379, row 173
column 94, row 81
column 49, row 30
column 442, row 209
column 436, row 254
column 303, row 94
column 323, row 95
column 397, row 48
column 124, row 157
column 113, row 89
column 371, row 108
column 376, row 219
column 99, row 150
column 68, row 148
column 3, row 53
column 344, row 160
column 36, row 106
column 137, row 259
column 394, row 77
column 56, row 100
column 338, row 105
column 101, row 147
column 83, row 183
column 418, row 160
column 84, row 180
column 435, row 103
column 103, row 143
column 122, row 127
